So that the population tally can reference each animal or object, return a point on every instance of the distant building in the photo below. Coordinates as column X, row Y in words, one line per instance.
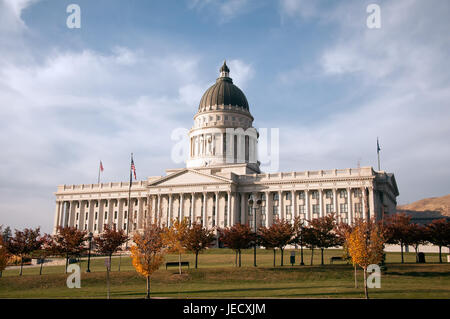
column 222, row 173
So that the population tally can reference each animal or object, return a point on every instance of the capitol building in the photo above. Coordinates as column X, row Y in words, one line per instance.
column 222, row 173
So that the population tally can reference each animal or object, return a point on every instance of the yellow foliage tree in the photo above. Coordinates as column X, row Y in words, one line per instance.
column 365, row 243
column 174, row 238
column 148, row 252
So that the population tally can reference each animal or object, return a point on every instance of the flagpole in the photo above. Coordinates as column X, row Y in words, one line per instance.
column 99, row 166
column 129, row 200
column 378, row 153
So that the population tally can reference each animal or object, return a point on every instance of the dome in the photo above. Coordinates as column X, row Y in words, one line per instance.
column 224, row 92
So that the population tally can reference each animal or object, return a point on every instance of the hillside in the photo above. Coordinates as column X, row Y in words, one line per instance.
column 430, row 207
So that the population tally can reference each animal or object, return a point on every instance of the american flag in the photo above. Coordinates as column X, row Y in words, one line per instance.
column 101, row 166
column 133, row 168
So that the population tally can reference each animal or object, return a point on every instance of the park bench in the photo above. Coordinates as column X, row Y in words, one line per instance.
column 336, row 259
column 175, row 264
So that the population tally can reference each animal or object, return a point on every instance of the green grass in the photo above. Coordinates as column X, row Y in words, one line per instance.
column 218, row 278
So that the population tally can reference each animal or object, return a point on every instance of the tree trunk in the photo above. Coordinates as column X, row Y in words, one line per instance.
column 356, row 280
column 120, row 260
column 21, row 266
column 282, row 257
column 1, row 272
column 110, row 262
column 301, row 255
column 312, row 255
column 416, row 248
column 274, row 254
column 239, row 258
column 236, row 259
column 366, row 292
column 440, row 254
column 40, row 270
column 196, row 259
column 321, row 258
column 401, row 247
column 179, row 263
column 147, row 296
column 67, row 261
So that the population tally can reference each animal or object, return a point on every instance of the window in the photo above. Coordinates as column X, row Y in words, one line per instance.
column 125, row 214
column 106, row 215
column 95, row 226
column 210, row 118
column 87, row 204
column 330, row 208
column 343, row 193
column 96, row 215
column 226, row 117
column 358, row 207
column 115, row 215
column 106, row 204
column 78, row 215
column 343, row 208
column 263, row 211
column 288, row 196
column 288, row 209
column 301, row 209
column 315, row 195
column 315, row 209
column 85, row 226
column 125, row 226
column 96, row 204
column 275, row 210
column 301, row 195
column 218, row 118
column 263, row 196
column 86, row 216
column 249, row 210
column 116, row 203
column 329, row 194
column 357, row 192
column 275, row 196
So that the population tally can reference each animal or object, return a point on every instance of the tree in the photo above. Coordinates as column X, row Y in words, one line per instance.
column 148, row 252
column 68, row 241
column 237, row 237
column 299, row 235
column 396, row 230
column 310, row 238
column 5, row 233
column 197, row 239
column 342, row 230
column 439, row 234
column 23, row 243
column 278, row 235
column 266, row 239
column 324, row 232
column 110, row 241
column 45, row 250
column 4, row 256
column 416, row 235
column 365, row 244
column 174, row 238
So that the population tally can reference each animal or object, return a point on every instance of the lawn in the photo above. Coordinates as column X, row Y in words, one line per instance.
column 217, row 277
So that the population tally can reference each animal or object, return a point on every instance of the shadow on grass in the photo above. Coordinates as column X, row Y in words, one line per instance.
column 419, row 274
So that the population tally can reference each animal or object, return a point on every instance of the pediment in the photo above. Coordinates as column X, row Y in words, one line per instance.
column 189, row 177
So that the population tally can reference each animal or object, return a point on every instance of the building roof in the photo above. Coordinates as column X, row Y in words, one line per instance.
column 224, row 92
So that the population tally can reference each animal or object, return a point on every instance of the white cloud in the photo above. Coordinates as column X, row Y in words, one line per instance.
column 10, row 14
column 240, row 72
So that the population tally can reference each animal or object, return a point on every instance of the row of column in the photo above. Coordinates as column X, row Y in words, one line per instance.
column 92, row 215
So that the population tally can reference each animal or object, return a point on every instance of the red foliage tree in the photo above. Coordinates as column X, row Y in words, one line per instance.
column 68, row 241
column 237, row 237
column 323, row 230
column 439, row 234
column 397, row 227
column 198, row 238
column 278, row 235
column 110, row 241
column 23, row 243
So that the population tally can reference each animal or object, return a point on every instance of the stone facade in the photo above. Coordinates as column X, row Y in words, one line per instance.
column 222, row 174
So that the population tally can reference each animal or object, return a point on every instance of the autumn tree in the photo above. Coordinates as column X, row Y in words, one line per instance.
column 110, row 241
column 4, row 256
column 342, row 230
column 174, row 238
column 324, row 232
column 148, row 252
column 416, row 235
column 237, row 237
column 439, row 234
column 23, row 243
column 278, row 235
column 397, row 227
column 299, row 228
column 198, row 238
column 68, row 241
column 310, row 239
column 365, row 244
column 266, row 239
column 45, row 250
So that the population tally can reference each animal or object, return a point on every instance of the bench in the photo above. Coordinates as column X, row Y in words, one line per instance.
column 175, row 264
column 336, row 259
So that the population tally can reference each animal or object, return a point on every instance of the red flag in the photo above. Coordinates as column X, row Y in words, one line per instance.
column 101, row 166
column 133, row 168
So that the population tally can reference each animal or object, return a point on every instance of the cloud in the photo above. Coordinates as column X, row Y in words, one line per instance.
column 402, row 76
column 241, row 72
column 227, row 9
column 10, row 14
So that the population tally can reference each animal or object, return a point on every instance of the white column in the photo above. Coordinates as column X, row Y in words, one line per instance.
column 215, row 217
column 158, row 210
column 204, row 220
column 335, row 208
column 229, row 209
column 371, row 202
column 307, row 210
column 349, row 204
column 192, row 208
column 243, row 212
column 321, row 214
column 363, row 199
column 294, row 203
column 169, row 212
column 269, row 210
column 232, row 209
column 280, row 205
column 56, row 220
column 181, row 215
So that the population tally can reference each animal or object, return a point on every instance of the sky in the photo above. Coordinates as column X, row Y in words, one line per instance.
column 136, row 70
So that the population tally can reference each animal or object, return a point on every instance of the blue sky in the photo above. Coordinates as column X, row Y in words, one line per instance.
column 136, row 71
